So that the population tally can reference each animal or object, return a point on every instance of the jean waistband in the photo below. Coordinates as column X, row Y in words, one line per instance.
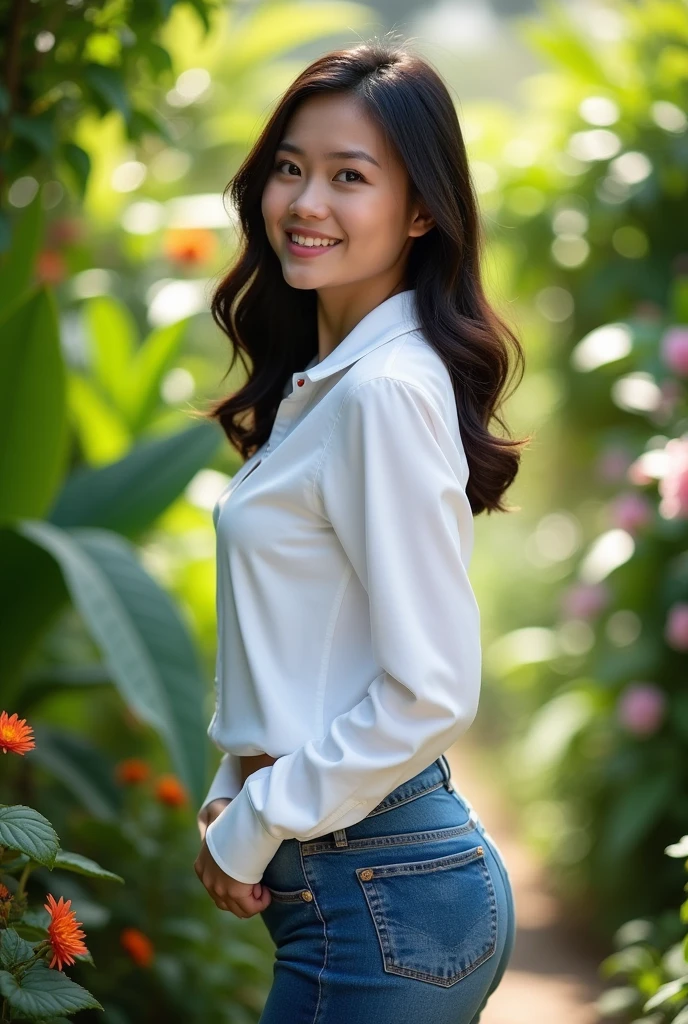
column 435, row 775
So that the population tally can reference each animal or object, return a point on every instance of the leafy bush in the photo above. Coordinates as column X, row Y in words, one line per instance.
column 652, row 957
column 590, row 195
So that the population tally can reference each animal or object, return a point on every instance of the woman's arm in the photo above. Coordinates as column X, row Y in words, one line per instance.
column 392, row 483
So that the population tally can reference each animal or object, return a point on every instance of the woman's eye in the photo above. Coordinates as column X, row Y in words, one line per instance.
column 279, row 164
column 349, row 171
column 359, row 177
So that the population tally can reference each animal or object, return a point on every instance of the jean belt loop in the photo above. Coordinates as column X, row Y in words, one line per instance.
column 444, row 764
column 340, row 838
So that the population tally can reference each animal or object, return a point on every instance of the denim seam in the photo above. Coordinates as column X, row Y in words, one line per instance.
column 397, row 839
column 285, row 897
column 398, row 803
column 383, row 939
column 322, row 919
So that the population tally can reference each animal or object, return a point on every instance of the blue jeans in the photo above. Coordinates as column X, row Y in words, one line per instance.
column 405, row 917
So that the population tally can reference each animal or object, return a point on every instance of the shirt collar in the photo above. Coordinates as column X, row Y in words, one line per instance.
column 396, row 315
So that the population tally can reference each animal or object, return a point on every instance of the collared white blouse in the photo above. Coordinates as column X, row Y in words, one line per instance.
column 348, row 631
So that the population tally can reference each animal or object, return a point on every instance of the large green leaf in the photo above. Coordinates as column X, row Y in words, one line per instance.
column 112, row 339
column 45, row 991
column 152, row 361
column 24, row 829
column 14, row 950
column 68, row 861
column 17, row 263
column 81, row 767
column 32, row 591
column 130, row 494
column 103, row 434
column 33, row 420
column 144, row 640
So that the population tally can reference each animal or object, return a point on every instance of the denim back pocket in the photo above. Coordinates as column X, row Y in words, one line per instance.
column 436, row 920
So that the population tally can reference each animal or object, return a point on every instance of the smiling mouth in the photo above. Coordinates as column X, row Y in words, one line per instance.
column 311, row 243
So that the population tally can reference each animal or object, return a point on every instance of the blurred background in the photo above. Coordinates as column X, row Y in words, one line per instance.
column 121, row 124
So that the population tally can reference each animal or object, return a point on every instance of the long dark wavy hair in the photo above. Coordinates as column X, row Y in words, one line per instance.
column 275, row 325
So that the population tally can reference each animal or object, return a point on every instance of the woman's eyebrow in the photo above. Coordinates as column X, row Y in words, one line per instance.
column 342, row 154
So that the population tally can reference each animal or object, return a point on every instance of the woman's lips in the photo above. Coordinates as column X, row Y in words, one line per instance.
column 308, row 251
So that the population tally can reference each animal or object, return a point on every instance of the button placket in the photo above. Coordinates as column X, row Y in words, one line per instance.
column 287, row 414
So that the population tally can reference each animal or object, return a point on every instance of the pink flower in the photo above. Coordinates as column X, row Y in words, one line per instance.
column 673, row 486
column 638, row 472
column 612, row 464
column 585, row 600
column 674, row 349
column 676, row 628
column 641, row 708
column 631, row 512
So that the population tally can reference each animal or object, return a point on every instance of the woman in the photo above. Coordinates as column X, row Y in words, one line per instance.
column 348, row 633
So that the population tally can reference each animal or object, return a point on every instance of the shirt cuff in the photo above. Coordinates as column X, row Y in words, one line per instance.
column 237, row 841
column 226, row 781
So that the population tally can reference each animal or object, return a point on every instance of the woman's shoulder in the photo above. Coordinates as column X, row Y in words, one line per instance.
column 409, row 361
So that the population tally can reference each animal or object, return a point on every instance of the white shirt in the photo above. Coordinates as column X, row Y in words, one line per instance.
column 348, row 631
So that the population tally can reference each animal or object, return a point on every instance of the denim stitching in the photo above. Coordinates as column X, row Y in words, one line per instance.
column 374, row 902
column 399, row 839
column 317, row 910
column 403, row 800
column 284, row 896
column 390, row 801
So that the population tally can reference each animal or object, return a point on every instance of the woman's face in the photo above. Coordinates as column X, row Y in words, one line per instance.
column 337, row 176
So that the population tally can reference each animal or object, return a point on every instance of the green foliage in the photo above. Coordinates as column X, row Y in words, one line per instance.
column 593, row 189
column 33, row 414
column 148, row 651
column 61, row 63
column 30, row 989
column 652, row 962
column 145, row 643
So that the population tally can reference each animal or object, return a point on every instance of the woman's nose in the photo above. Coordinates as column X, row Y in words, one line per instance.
column 309, row 202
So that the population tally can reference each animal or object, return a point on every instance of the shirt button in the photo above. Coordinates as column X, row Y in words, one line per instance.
column 301, row 382
column 306, row 895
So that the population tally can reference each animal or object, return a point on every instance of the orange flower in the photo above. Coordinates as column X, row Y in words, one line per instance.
column 189, row 245
column 138, row 946
column 6, row 898
column 131, row 770
column 169, row 790
column 50, row 266
column 15, row 734
column 65, row 935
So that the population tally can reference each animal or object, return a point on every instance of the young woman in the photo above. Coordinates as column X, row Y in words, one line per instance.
column 349, row 652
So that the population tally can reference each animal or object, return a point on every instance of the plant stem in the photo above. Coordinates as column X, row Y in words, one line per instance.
column 23, row 879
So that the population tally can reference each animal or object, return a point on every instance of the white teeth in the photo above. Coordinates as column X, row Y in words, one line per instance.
column 310, row 242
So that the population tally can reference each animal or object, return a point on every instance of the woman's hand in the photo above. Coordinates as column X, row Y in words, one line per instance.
column 209, row 813
column 244, row 899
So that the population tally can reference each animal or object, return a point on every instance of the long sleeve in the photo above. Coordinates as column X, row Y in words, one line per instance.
column 226, row 781
column 391, row 482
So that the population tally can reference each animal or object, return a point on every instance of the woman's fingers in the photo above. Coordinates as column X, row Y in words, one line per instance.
column 240, row 898
column 243, row 906
column 254, row 905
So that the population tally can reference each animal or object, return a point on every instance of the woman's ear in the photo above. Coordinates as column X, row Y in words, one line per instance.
column 422, row 222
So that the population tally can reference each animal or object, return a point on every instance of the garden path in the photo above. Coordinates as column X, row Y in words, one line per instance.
column 552, row 975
